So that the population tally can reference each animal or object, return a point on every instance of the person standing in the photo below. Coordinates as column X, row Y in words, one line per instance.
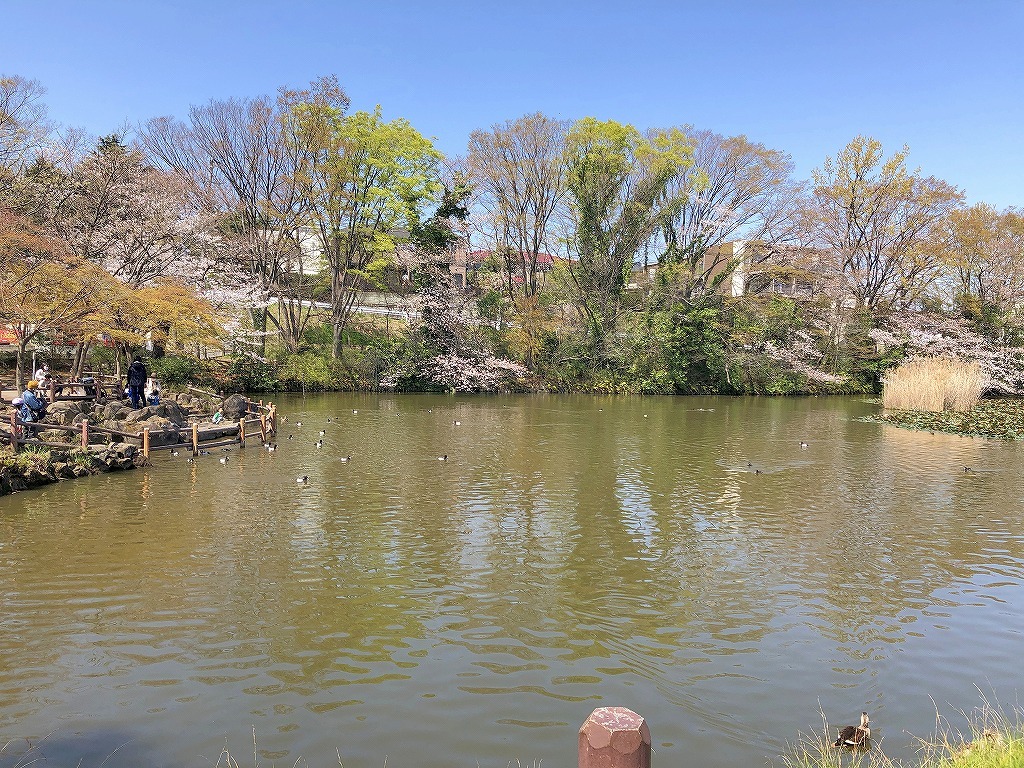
column 137, row 375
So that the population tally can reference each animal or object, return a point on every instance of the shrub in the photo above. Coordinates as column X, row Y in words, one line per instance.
column 933, row 384
column 307, row 371
column 248, row 374
column 174, row 369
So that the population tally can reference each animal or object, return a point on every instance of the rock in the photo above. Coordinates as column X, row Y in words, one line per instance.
column 115, row 411
column 64, row 412
column 235, row 407
column 57, row 436
column 64, row 470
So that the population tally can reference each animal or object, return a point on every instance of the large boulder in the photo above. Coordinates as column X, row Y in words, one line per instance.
column 66, row 412
column 234, row 407
column 164, row 413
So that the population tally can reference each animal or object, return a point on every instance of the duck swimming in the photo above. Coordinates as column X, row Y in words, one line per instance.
column 345, row 459
column 854, row 735
column 443, row 458
column 302, row 480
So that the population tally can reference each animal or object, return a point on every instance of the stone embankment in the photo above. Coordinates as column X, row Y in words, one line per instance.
column 169, row 423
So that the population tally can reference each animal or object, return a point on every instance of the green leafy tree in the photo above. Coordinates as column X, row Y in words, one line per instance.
column 618, row 192
column 367, row 182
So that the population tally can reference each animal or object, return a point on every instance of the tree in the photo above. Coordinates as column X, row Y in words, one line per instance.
column 879, row 219
column 985, row 258
column 618, row 192
column 734, row 189
column 158, row 313
column 44, row 290
column 366, row 182
column 115, row 209
column 519, row 171
column 242, row 161
column 23, row 127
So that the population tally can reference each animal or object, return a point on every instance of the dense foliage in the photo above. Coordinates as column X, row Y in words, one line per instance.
column 284, row 242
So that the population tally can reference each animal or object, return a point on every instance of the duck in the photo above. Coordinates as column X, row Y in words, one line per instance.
column 328, row 419
column 298, row 423
column 173, row 452
column 271, row 447
column 302, row 480
column 967, row 469
column 457, row 423
column 204, row 453
column 355, row 410
column 854, row 735
column 191, row 460
column 443, row 458
column 224, row 459
column 323, row 432
column 319, row 443
column 803, row 444
column 345, row 459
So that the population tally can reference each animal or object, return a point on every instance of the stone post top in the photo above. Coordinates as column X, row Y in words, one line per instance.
column 619, row 727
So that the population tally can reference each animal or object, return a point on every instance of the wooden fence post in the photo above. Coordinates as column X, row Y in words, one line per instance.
column 263, row 427
column 145, row 442
column 85, row 434
column 615, row 737
column 14, row 433
column 273, row 419
column 241, row 430
column 195, row 439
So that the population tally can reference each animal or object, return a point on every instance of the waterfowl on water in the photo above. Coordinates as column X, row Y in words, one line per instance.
column 298, row 423
column 345, row 459
column 323, row 432
column 319, row 443
column 967, row 469
column 854, row 735
column 443, row 458
column 173, row 452
column 302, row 480
column 191, row 460
column 803, row 444
column 224, row 459
column 457, row 423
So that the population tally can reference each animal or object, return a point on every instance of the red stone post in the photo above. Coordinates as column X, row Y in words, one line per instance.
column 615, row 737
column 85, row 434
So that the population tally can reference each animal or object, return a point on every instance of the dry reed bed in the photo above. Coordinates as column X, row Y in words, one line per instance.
column 933, row 384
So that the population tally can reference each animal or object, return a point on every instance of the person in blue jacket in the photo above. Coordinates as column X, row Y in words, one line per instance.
column 32, row 407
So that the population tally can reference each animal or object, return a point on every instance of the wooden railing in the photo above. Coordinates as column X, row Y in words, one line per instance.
column 265, row 424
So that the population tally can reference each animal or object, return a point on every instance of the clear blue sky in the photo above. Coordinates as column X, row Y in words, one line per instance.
column 943, row 77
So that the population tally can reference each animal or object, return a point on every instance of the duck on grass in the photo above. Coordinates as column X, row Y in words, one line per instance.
column 992, row 739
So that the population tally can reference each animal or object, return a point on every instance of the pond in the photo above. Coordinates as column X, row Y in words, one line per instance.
column 684, row 557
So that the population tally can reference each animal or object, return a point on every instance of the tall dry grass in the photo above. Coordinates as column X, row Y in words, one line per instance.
column 933, row 384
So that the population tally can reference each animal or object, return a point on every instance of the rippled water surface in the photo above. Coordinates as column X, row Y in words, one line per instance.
column 683, row 557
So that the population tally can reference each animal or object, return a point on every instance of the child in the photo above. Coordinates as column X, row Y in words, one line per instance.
column 218, row 417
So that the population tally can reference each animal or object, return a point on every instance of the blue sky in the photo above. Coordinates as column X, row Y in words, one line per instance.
column 943, row 77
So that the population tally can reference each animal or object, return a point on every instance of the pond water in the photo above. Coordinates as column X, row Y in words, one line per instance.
column 684, row 557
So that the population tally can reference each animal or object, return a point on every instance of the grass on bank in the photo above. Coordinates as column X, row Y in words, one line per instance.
column 993, row 739
column 933, row 384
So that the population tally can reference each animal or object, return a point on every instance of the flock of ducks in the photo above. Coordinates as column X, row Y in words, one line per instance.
column 271, row 447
